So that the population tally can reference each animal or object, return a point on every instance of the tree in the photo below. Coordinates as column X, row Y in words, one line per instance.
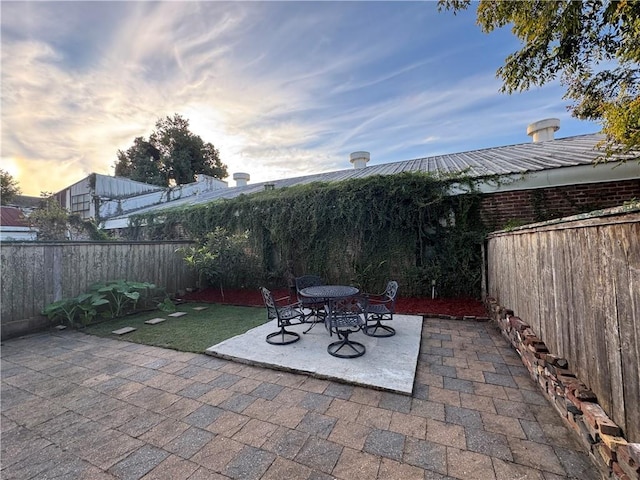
column 172, row 153
column 50, row 218
column 593, row 46
column 9, row 188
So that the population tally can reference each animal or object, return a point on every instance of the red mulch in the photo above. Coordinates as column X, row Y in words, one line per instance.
column 458, row 307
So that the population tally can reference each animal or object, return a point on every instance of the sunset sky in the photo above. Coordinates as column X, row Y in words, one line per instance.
column 282, row 89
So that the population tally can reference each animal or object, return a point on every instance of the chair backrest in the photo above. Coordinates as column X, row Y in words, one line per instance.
column 270, row 303
column 390, row 292
column 347, row 312
column 308, row 281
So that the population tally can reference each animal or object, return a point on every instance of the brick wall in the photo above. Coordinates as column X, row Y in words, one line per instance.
column 572, row 399
column 528, row 206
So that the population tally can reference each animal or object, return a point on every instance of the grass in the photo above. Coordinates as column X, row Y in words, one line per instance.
column 194, row 332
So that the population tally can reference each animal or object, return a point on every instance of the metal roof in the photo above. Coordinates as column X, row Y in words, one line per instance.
column 506, row 160
column 12, row 217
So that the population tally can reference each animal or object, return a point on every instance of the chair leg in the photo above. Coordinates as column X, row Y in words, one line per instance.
column 283, row 337
column 379, row 330
column 315, row 312
column 357, row 348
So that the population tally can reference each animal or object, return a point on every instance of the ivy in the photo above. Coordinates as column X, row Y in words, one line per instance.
column 363, row 231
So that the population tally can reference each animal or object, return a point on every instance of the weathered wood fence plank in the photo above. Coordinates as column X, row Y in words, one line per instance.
column 36, row 274
column 577, row 283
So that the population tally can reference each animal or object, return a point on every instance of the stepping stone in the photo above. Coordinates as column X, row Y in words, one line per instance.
column 60, row 327
column 154, row 321
column 199, row 309
column 122, row 331
column 177, row 314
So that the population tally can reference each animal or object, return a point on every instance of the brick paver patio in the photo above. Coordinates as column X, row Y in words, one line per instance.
column 77, row 406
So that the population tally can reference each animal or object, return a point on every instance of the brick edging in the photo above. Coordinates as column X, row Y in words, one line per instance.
column 572, row 399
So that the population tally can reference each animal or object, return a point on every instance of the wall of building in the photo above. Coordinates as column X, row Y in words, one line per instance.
column 519, row 207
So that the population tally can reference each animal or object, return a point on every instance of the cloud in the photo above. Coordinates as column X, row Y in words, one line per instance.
column 281, row 89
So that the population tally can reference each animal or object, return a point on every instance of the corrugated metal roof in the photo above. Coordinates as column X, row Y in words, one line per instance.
column 12, row 217
column 506, row 160
column 120, row 187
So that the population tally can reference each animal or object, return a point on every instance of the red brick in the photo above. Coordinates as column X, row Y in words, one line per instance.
column 619, row 473
column 599, row 420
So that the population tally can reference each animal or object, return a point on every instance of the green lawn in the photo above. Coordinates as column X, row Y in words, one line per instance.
column 194, row 332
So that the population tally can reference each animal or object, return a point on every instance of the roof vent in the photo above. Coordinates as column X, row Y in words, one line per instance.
column 359, row 159
column 543, row 130
column 241, row 178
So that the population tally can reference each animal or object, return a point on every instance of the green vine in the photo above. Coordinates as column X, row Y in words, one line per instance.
column 405, row 226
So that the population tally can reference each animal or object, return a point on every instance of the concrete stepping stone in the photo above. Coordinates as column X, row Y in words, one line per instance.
column 123, row 330
column 199, row 309
column 155, row 321
column 177, row 314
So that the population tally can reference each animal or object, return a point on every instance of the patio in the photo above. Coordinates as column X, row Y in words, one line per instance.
column 389, row 363
column 77, row 406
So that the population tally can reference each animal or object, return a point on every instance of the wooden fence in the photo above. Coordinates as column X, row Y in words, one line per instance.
column 577, row 284
column 35, row 274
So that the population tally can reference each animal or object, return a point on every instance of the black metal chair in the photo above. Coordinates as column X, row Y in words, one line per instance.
column 286, row 316
column 316, row 309
column 346, row 316
column 381, row 308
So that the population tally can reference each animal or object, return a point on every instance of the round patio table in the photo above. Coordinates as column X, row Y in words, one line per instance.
column 329, row 292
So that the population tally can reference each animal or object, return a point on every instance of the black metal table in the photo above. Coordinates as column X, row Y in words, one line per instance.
column 326, row 293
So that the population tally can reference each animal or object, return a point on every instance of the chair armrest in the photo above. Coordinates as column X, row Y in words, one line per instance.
column 378, row 299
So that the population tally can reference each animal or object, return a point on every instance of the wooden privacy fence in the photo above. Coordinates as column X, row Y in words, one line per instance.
column 576, row 282
column 35, row 274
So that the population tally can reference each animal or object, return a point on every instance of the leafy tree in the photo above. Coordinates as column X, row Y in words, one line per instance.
column 172, row 153
column 50, row 218
column 9, row 188
column 593, row 46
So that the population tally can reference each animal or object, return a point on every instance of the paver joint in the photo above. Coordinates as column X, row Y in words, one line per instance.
column 77, row 406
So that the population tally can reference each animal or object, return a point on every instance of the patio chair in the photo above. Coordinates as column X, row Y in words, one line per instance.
column 381, row 308
column 316, row 308
column 286, row 316
column 346, row 316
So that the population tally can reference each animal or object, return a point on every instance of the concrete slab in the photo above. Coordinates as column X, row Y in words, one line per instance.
column 155, row 321
column 123, row 330
column 389, row 363
column 177, row 314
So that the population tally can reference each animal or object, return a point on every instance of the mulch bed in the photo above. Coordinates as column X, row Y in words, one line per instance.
column 447, row 307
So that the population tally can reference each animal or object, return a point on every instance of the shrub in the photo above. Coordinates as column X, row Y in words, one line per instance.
column 224, row 259
column 110, row 299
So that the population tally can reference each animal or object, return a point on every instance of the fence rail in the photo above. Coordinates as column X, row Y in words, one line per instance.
column 577, row 283
column 35, row 274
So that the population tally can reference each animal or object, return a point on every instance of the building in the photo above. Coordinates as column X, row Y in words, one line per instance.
column 14, row 226
column 522, row 183
column 101, row 196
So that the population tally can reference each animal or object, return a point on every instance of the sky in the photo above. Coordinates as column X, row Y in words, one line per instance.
column 281, row 89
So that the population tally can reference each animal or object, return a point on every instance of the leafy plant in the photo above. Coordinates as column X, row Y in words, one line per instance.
column 223, row 259
column 87, row 306
column 405, row 226
column 62, row 310
column 166, row 306
column 80, row 310
column 121, row 294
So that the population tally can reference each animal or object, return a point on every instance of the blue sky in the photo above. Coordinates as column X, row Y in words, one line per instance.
column 282, row 89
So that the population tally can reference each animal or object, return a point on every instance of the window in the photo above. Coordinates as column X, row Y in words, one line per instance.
column 80, row 205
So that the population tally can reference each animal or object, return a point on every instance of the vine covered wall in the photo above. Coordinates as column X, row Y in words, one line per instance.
column 361, row 231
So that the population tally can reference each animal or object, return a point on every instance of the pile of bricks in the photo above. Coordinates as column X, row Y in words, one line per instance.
column 573, row 400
